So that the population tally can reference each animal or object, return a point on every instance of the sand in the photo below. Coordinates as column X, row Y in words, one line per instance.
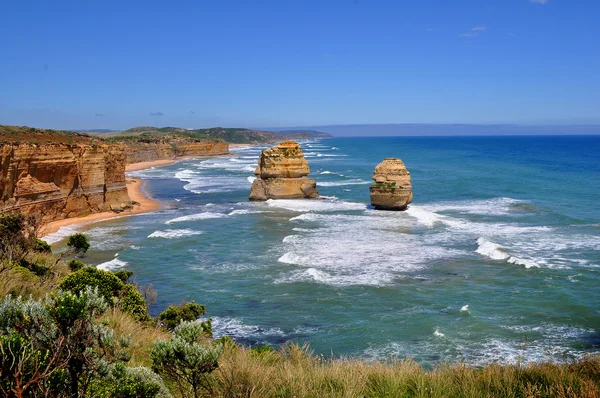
column 134, row 189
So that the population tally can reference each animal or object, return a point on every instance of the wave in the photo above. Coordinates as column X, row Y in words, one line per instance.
column 62, row 233
column 234, row 327
column 174, row 233
column 342, row 183
column 496, row 252
column 303, row 205
column 194, row 217
column 111, row 265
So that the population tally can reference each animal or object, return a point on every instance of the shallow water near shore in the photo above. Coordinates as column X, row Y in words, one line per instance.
column 497, row 259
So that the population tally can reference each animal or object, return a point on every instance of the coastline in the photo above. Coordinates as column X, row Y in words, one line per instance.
column 134, row 190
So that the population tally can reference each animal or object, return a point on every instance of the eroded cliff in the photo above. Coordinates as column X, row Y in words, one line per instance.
column 56, row 180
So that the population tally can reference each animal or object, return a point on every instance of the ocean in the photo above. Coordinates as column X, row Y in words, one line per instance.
column 496, row 260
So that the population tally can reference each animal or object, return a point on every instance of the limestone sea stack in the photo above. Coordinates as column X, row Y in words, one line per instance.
column 281, row 174
column 392, row 189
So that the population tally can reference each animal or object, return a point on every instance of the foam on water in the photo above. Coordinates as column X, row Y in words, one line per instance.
column 236, row 328
column 303, row 205
column 174, row 233
column 195, row 217
column 497, row 252
column 62, row 233
column 112, row 265
column 342, row 183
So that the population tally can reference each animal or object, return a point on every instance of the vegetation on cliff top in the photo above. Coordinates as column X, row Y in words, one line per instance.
column 31, row 135
column 148, row 134
column 231, row 135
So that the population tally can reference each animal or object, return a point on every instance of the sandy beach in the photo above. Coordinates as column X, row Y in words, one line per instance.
column 134, row 189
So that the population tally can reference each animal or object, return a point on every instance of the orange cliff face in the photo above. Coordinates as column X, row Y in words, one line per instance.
column 54, row 181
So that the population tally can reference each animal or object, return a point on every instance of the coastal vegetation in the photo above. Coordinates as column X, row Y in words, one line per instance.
column 75, row 331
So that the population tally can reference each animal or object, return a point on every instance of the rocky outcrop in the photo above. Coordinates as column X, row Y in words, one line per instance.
column 281, row 174
column 150, row 151
column 56, row 180
column 392, row 189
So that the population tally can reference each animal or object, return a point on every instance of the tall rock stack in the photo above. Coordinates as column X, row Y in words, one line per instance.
column 281, row 174
column 392, row 189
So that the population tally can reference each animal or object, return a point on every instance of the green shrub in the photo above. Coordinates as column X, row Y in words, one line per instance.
column 78, row 243
column 76, row 265
column 123, row 275
column 110, row 287
column 174, row 315
column 262, row 349
column 125, row 382
column 187, row 358
column 133, row 303
column 41, row 246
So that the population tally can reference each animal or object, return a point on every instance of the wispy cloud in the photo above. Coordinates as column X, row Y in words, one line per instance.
column 430, row 30
column 99, row 114
column 539, row 1
column 192, row 112
column 475, row 31
column 156, row 114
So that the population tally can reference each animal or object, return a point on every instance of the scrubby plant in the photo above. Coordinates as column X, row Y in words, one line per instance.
column 41, row 246
column 123, row 275
column 174, row 315
column 125, row 382
column 75, row 265
column 78, row 243
column 110, row 287
column 17, row 236
column 187, row 358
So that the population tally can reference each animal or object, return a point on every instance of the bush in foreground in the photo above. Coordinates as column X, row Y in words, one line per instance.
column 187, row 359
column 110, row 287
column 174, row 315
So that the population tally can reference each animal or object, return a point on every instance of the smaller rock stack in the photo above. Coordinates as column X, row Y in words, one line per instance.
column 392, row 189
column 281, row 174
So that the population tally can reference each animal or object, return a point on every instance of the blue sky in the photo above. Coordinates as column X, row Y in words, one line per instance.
column 109, row 64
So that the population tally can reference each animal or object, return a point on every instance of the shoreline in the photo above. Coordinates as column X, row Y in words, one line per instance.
column 135, row 192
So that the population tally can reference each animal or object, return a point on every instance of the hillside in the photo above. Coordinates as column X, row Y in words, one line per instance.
column 30, row 135
column 230, row 135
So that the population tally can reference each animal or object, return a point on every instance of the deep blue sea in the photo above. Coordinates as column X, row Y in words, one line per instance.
column 496, row 260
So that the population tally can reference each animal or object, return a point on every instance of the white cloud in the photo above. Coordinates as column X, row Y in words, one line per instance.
column 479, row 28
column 539, row 1
column 475, row 31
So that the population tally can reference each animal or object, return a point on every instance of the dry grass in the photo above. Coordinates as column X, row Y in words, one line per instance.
column 19, row 281
column 141, row 336
column 295, row 372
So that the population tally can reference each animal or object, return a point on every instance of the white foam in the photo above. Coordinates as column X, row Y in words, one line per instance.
column 496, row 252
column 464, row 308
column 174, row 233
column 111, row 265
column 424, row 216
column 491, row 250
column 494, row 206
column 437, row 333
column 62, row 233
column 342, row 183
column 303, row 205
column 194, row 217
column 251, row 179
column 227, row 326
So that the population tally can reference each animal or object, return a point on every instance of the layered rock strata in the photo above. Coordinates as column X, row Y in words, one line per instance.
column 55, row 181
column 150, row 151
column 281, row 174
column 392, row 189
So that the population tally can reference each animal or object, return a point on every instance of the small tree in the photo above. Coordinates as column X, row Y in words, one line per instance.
column 174, row 315
column 187, row 358
column 78, row 243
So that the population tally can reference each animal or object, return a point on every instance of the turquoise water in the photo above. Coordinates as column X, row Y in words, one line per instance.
column 497, row 260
